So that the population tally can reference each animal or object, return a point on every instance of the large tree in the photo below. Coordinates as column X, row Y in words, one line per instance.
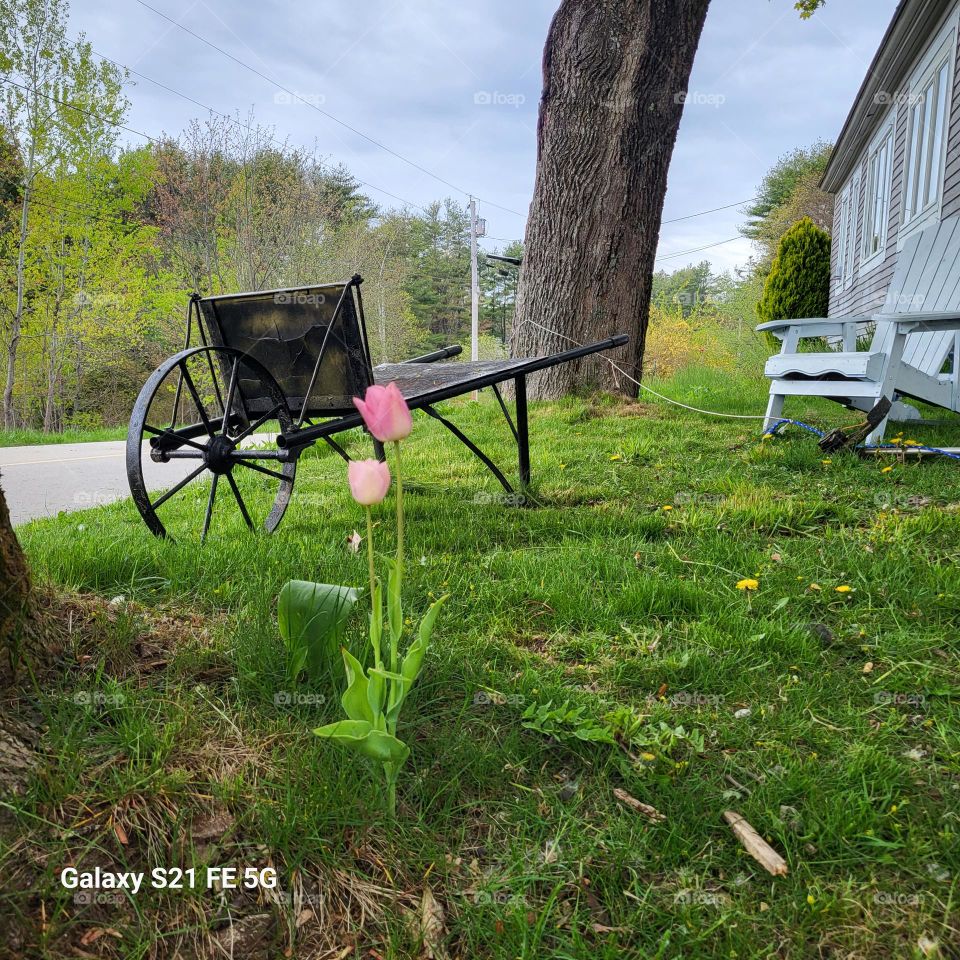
column 615, row 78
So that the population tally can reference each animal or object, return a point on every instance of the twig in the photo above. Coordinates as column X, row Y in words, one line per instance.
column 755, row 845
column 644, row 809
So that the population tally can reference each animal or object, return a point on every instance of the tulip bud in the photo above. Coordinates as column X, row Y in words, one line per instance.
column 385, row 413
column 369, row 481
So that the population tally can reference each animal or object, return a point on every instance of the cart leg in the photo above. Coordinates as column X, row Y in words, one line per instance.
column 523, row 436
column 379, row 451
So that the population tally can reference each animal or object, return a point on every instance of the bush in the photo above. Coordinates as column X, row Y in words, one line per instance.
column 799, row 282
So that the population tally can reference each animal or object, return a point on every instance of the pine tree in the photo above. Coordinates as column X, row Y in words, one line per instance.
column 799, row 282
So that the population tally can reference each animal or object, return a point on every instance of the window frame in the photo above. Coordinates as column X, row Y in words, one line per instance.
column 886, row 137
column 941, row 53
column 849, row 210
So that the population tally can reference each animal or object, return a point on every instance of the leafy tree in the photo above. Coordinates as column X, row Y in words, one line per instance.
column 799, row 282
column 61, row 110
column 801, row 168
column 685, row 289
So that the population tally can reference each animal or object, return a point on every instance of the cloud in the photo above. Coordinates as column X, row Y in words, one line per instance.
column 455, row 88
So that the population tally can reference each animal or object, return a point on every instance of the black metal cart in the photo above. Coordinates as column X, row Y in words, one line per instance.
column 243, row 404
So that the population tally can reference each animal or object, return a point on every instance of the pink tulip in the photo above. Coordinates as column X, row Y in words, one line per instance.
column 385, row 413
column 369, row 481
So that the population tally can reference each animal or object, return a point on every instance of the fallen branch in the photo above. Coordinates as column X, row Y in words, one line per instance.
column 755, row 845
column 644, row 809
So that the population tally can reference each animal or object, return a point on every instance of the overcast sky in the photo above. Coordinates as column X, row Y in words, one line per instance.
column 454, row 88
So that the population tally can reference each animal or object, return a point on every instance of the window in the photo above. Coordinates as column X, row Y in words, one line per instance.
column 876, row 203
column 847, row 232
column 928, row 106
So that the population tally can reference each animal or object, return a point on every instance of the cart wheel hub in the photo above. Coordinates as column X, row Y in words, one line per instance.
column 218, row 455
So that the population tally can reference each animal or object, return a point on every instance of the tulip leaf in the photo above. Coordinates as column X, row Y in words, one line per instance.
column 376, row 694
column 312, row 618
column 361, row 736
column 413, row 661
column 394, row 604
column 354, row 699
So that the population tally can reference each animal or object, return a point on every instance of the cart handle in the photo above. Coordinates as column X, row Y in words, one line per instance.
column 443, row 354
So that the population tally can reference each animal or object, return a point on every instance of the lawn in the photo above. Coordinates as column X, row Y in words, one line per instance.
column 29, row 438
column 828, row 717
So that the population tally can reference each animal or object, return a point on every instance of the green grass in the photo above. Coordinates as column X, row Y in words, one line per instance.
column 599, row 597
column 29, row 438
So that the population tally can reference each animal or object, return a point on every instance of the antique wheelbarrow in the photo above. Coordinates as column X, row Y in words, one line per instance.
column 243, row 405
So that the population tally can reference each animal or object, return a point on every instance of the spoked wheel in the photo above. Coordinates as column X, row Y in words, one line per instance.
column 202, row 437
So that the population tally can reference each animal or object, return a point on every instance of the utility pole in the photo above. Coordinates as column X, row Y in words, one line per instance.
column 475, row 231
column 474, row 285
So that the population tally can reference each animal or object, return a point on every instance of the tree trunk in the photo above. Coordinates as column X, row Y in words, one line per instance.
column 16, row 633
column 615, row 73
column 9, row 418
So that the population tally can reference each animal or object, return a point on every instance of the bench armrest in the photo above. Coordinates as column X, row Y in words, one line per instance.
column 921, row 321
column 811, row 326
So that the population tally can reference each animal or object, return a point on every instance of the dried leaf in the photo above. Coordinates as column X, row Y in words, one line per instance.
column 353, row 542
column 121, row 833
column 433, row 929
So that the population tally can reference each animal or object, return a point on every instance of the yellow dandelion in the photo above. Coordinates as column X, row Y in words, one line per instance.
column 648, row 756
column 825, row 462
column 843, row 588
column 886, row 469
column 747, row 584
column 616, row 456
column 667, row 507
column 811, row 899
column 815, row 586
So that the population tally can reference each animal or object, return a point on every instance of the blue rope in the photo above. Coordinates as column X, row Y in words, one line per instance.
column 911, row 446
column 773, row 431
column 797, row 423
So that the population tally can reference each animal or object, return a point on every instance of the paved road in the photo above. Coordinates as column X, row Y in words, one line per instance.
column 43, row 480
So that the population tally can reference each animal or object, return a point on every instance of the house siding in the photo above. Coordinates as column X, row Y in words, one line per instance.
column 867, row 292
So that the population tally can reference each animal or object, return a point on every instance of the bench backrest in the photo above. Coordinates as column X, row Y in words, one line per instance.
column 286, row 330
column 927, row 279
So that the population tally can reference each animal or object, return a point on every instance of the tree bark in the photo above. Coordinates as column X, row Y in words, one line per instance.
column 615, row 74
column 16, row 634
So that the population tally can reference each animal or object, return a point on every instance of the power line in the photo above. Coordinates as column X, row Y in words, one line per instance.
column 320, row 110
column 240, row 123
column 684, row 253
column 703, row 213
column 89, row 113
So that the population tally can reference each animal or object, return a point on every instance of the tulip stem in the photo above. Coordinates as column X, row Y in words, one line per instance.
column 396, row 445
column 394, row 639
column 375, row 629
